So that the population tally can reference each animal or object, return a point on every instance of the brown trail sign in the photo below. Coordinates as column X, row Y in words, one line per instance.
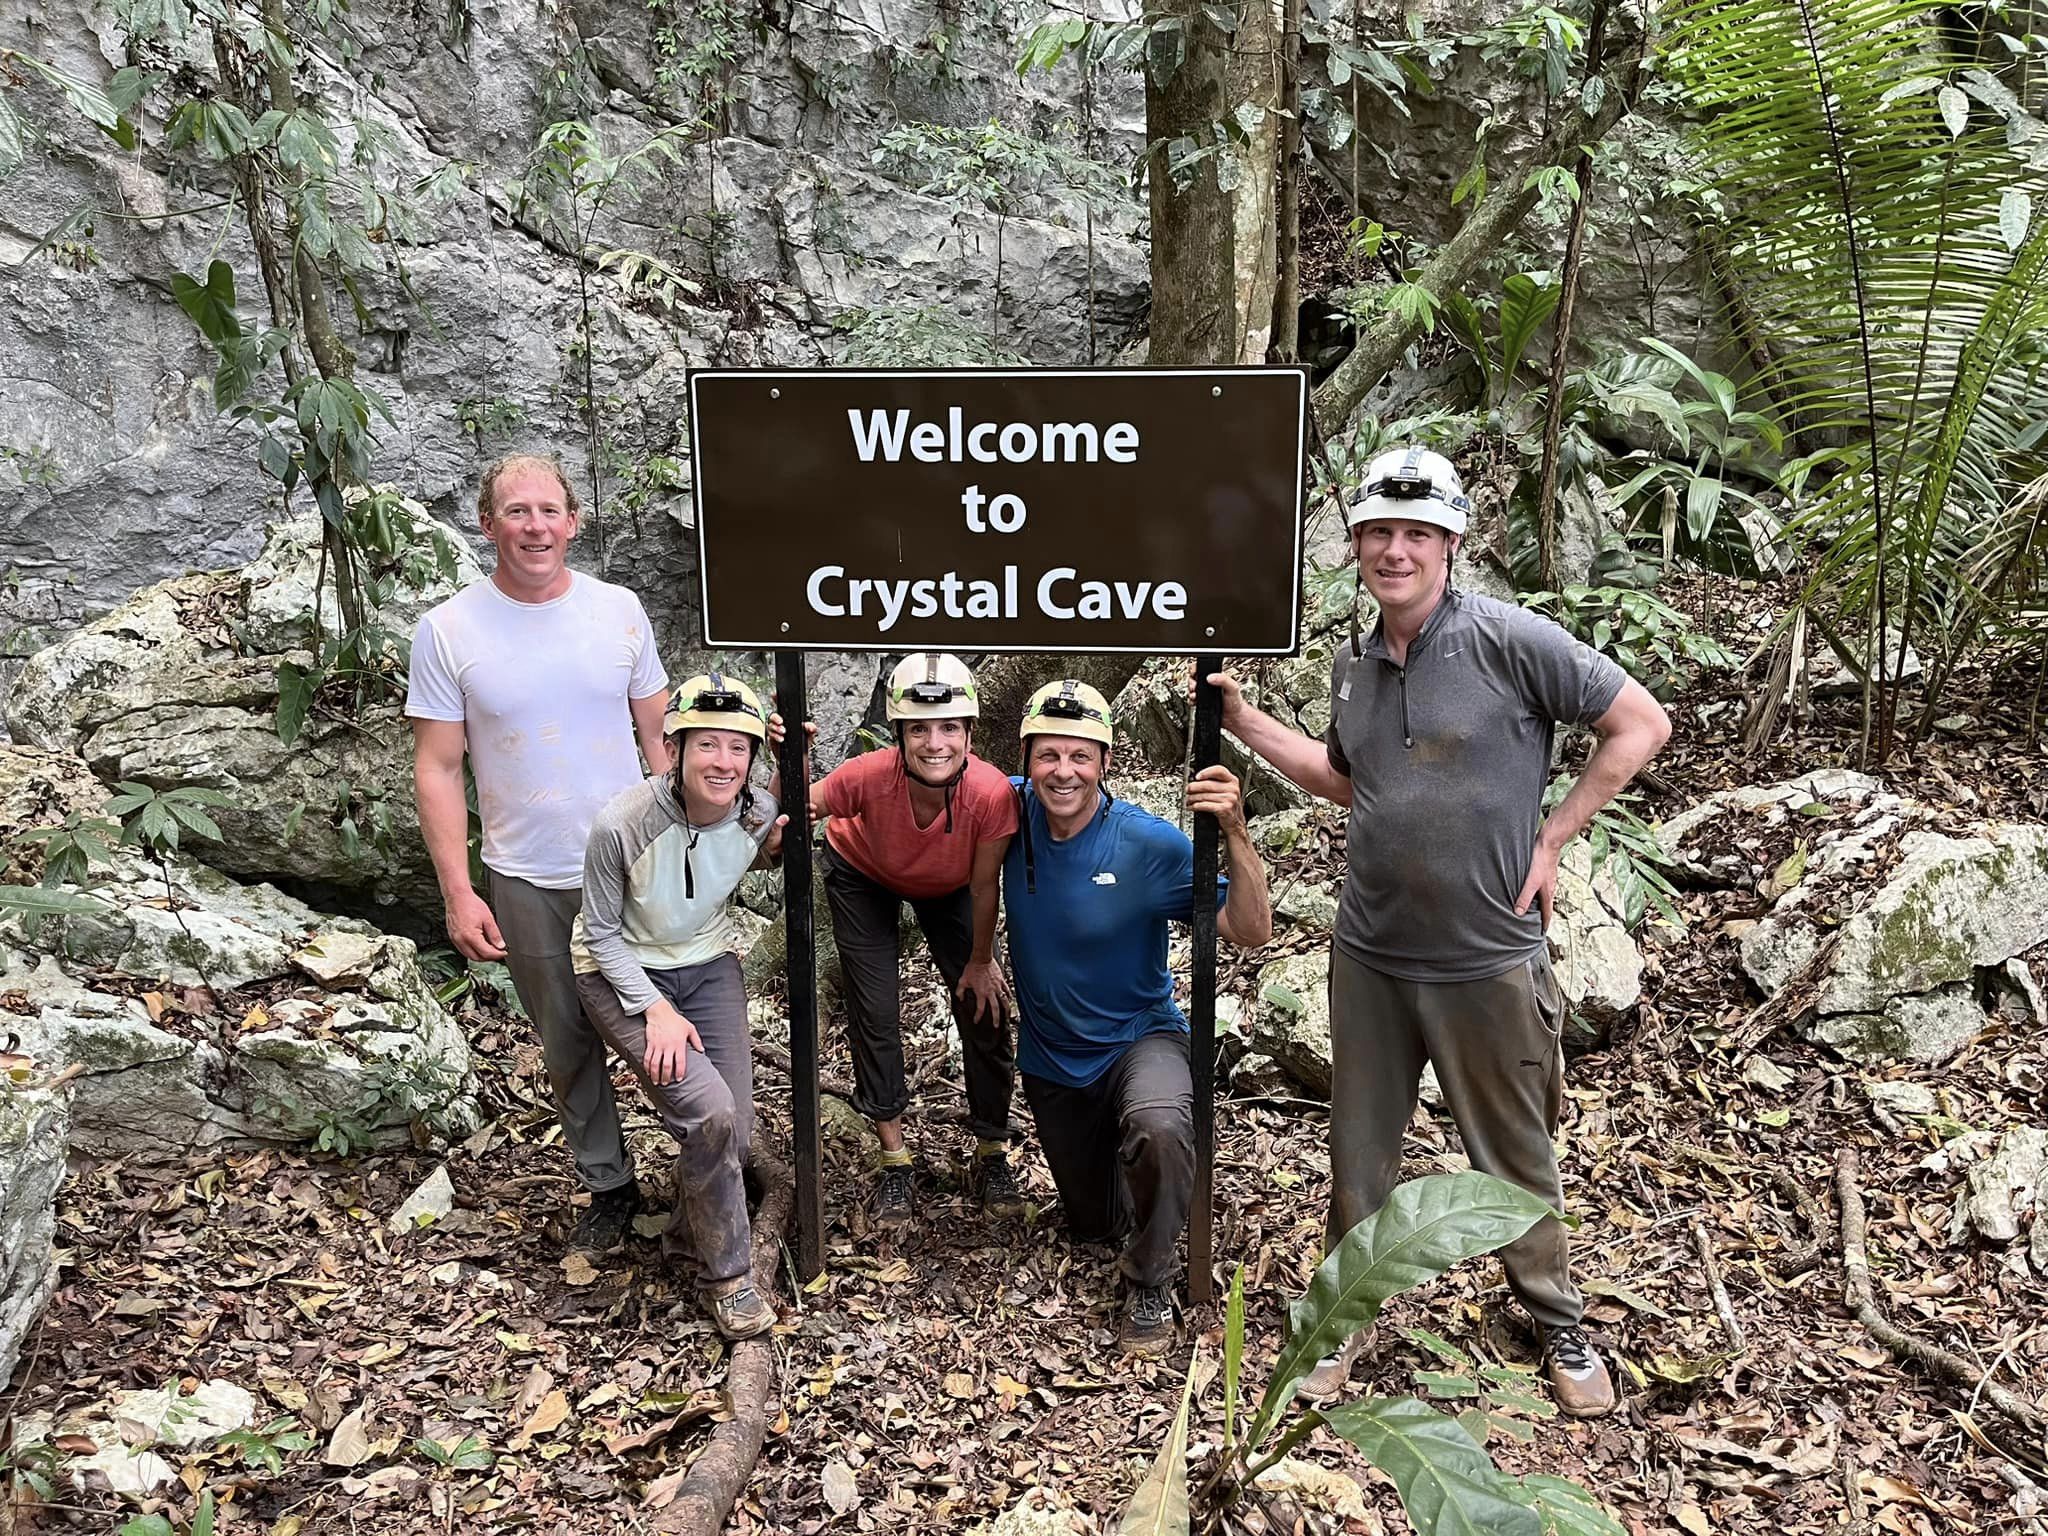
column 1063, row 510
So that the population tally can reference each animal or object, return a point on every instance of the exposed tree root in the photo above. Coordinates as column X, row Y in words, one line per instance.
column 721, row 1470
column 1939, row 1362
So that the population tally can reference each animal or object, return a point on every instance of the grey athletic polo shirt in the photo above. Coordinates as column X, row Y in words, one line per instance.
column 1448, row 757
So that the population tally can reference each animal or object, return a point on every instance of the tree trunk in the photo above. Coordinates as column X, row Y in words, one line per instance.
column 1194, row 278
column 1381, row 344
column 1286, row 343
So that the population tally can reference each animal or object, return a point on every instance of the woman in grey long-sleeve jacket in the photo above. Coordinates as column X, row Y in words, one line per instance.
column 658, row 968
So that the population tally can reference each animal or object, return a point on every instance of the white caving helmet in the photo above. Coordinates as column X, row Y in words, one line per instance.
column 932, row 685
column 1415, row 484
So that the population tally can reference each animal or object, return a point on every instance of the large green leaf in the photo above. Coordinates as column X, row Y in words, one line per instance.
column 1567, row 1509
column 1426, row 1226
column 1160, row 1506
column 1527, row 300
column 1448, row 1484
column 41, row 901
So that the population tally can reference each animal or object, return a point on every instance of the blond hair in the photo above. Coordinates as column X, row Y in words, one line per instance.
column 487, row 489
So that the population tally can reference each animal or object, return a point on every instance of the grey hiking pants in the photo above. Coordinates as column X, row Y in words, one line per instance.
column 709, row 1110
column 1500, row 1060
column 1122, row 1152
column 535, row 924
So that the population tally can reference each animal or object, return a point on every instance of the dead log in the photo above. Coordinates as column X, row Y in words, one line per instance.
column 721, row 1470
column 1941, row 1363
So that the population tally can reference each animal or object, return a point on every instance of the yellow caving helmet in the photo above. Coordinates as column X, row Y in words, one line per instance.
column 933, row 685
column 1068, row 708
column 714, row 702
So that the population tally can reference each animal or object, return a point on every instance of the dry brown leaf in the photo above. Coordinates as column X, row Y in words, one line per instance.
column 350, row 1444
column 841, row 1491
column 1694, row 1519
column 959, row 1384
column 662, row 1491
column 553, row 1409
column 577, row 1269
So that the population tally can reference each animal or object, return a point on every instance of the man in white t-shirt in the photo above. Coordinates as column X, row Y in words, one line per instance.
column 545, row 677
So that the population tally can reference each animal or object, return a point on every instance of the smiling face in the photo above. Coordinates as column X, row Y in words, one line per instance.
column 530, row 523
column 714, row 766
column 1066, row 774
column 1403, row 563
column 934, row 751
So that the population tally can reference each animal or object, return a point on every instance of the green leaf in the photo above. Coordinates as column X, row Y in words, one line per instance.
column 1437, row 1345
column 1160, row 1506
column 1426, row 1226
column 12, row 151
column 1441, row 1384
column 1702, row 506
column 1527, row 300
column 1955, row 110
column 149, row 1525
column 294, row 698
column 41, row 901
column 202, row 1518
column 210, row 305
column 2015, row 214
column 1448, row 1484
column 194, row 818
column 1233, row 1354
column 1567, row 1509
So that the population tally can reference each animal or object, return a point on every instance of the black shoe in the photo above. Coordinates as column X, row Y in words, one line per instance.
column 1148, row 1322
column 893, row 1205
column 603, row 1226
column 1000, row 1195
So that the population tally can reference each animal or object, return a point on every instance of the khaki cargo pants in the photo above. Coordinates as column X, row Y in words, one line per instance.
column 1500, row 1060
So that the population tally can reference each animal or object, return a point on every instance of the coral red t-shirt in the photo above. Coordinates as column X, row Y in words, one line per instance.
column 874, row 829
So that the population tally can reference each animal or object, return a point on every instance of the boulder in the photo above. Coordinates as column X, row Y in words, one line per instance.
column 179, row 686
column 123, row 990
column 2001, row 1191
column 1290, row 1021
column 1705, row 841
column 34, row 1123
column 129, row 1430
column 1152, row 724
column 1599, row 969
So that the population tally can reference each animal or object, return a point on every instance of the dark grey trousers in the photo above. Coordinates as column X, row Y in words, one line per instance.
column 864, row 926
column 709, row 1110
column 1122, row 1152
column 535, row 924
column 1500, row 1061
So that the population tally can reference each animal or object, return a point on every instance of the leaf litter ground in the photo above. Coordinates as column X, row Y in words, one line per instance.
column 929, row 1382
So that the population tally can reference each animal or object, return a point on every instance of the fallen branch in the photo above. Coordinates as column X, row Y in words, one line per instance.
column 776, row 1057
column 721, row 1470
column 1942, row 1363
column 1723, row 1308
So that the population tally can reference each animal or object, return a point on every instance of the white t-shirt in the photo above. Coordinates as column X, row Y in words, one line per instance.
column 541, row 690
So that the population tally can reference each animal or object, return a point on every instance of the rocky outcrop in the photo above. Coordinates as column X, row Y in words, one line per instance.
column 1904, row 940
column 195, row 1016
column 34, row 1121
column 179, row 686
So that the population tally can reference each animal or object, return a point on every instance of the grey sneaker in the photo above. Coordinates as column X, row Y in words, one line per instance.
column 893, row 1205
column 737, row 1310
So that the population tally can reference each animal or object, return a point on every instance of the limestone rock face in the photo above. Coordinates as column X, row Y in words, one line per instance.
column 179, row 686
column 1290, row 1019
column 280, row 1057
column 1599, row 969
column 34, row 1122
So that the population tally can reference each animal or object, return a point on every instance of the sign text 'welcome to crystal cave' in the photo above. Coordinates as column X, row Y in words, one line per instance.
column 1153, row 510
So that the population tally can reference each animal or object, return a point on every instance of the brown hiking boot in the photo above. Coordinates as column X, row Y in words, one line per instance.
column 1147, row 1330
column 1000, row 1195
column 1332, row 1373
column 1577, row 1376
column 737, row 1310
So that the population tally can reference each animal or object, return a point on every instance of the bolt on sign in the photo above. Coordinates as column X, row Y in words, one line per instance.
column 1116, row 509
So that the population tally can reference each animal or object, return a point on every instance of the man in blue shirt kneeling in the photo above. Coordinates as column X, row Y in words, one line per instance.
column 1090, row 884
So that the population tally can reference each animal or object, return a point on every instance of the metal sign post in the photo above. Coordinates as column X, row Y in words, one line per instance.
column 1154, row 511
column 802, row 959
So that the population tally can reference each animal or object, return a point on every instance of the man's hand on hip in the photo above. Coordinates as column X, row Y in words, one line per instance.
column 471, row 927
column 670, row 1039
column 1541, row 886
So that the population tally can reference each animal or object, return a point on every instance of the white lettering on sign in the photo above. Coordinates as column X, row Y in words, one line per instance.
column 884, row 435
column 1061, row 593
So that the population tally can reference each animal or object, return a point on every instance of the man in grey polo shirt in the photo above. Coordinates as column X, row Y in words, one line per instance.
column 1441, row 724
